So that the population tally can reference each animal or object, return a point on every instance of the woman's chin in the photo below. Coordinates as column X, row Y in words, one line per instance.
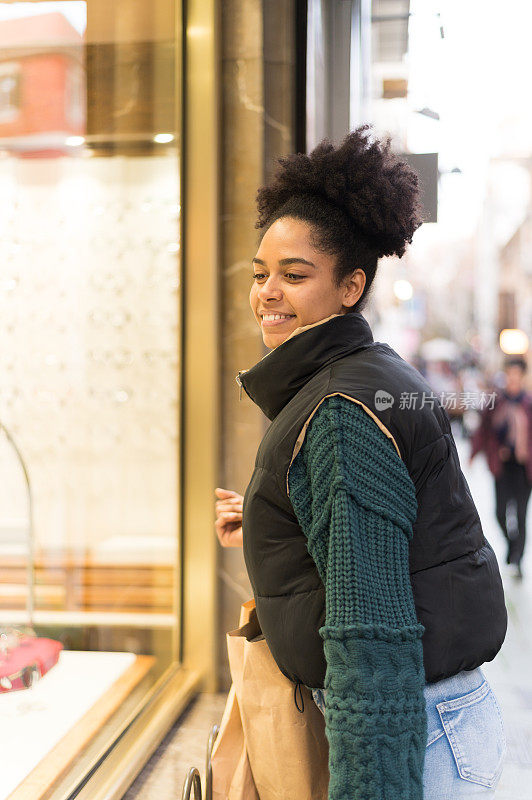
column 273, row 340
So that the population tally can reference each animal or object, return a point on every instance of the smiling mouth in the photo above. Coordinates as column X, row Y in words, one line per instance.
column 273, row 319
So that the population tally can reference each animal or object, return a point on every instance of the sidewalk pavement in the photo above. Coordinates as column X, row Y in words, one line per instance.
column 510, row 673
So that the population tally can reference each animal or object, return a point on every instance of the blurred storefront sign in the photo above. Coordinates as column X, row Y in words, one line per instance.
column 426, row 166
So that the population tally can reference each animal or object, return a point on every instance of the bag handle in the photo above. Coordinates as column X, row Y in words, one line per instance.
column 250, row 629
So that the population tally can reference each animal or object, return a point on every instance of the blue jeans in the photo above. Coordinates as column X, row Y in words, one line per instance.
column 466, row 742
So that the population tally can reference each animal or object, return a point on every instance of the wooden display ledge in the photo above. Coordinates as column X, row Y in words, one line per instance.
column 54, row 765
column 74, row 582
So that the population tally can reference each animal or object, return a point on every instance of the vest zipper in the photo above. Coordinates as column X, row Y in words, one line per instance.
column 298, row 686
column 240, row 382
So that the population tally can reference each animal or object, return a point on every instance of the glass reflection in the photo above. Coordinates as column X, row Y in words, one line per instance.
column 89, row 367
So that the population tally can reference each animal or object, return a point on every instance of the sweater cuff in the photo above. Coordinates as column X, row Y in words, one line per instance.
column 364, row 630
column 375, row 713
column 387, row 662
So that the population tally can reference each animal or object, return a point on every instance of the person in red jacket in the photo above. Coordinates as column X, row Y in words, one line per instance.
column 505, row 436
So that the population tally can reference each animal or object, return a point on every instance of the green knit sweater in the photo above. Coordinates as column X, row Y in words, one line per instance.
column 356, row 504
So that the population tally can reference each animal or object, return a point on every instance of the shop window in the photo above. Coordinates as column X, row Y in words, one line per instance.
column 89, row 365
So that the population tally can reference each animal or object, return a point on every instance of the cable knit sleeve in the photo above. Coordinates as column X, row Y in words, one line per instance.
column 356, row 504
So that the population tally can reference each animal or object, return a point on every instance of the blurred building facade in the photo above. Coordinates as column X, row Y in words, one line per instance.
column 42, row 88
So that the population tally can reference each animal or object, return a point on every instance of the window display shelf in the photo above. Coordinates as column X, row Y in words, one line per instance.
column 105, row 618
column 68, row 583
column 44, row 729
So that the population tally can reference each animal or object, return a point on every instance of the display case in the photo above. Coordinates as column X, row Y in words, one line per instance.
column 91, row 365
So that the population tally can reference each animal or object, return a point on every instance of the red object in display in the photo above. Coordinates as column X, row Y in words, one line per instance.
column 27, row 662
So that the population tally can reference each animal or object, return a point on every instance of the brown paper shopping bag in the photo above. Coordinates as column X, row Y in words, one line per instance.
column 231, row 774
column 287, row 751
column 232, row 778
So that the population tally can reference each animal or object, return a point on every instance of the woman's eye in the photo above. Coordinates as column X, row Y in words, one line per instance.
column 258, row 276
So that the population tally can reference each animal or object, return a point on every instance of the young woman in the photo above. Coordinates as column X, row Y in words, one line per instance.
column 374, row 584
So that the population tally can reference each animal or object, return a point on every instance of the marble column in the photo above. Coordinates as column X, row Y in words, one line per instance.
column 257, row 113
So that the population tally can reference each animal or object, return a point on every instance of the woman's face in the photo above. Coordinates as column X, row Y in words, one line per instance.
column 294, row 280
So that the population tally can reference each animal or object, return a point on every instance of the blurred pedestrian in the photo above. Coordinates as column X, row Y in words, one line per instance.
column 505, row 436
column 473, row 386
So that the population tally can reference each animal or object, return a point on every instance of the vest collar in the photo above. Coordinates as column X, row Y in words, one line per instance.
column 282, row 372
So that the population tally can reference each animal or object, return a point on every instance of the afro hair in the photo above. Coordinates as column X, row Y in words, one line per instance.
column 375, row 190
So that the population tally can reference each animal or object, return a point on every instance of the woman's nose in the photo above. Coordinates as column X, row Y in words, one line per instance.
column 269, row 289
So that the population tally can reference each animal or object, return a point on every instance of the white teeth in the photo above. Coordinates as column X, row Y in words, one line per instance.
column 276, row 316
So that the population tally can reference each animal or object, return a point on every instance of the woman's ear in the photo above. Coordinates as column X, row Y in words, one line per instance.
column 354, row 286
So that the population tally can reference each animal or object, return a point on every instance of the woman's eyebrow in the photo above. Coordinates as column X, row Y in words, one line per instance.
column 284, row 262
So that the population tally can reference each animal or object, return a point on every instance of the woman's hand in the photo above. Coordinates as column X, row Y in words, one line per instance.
column 228, row 523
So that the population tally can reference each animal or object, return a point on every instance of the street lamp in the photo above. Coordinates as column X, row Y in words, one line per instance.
column 513, row 341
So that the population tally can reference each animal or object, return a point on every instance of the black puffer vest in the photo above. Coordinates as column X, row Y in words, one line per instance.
column 455, row 577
